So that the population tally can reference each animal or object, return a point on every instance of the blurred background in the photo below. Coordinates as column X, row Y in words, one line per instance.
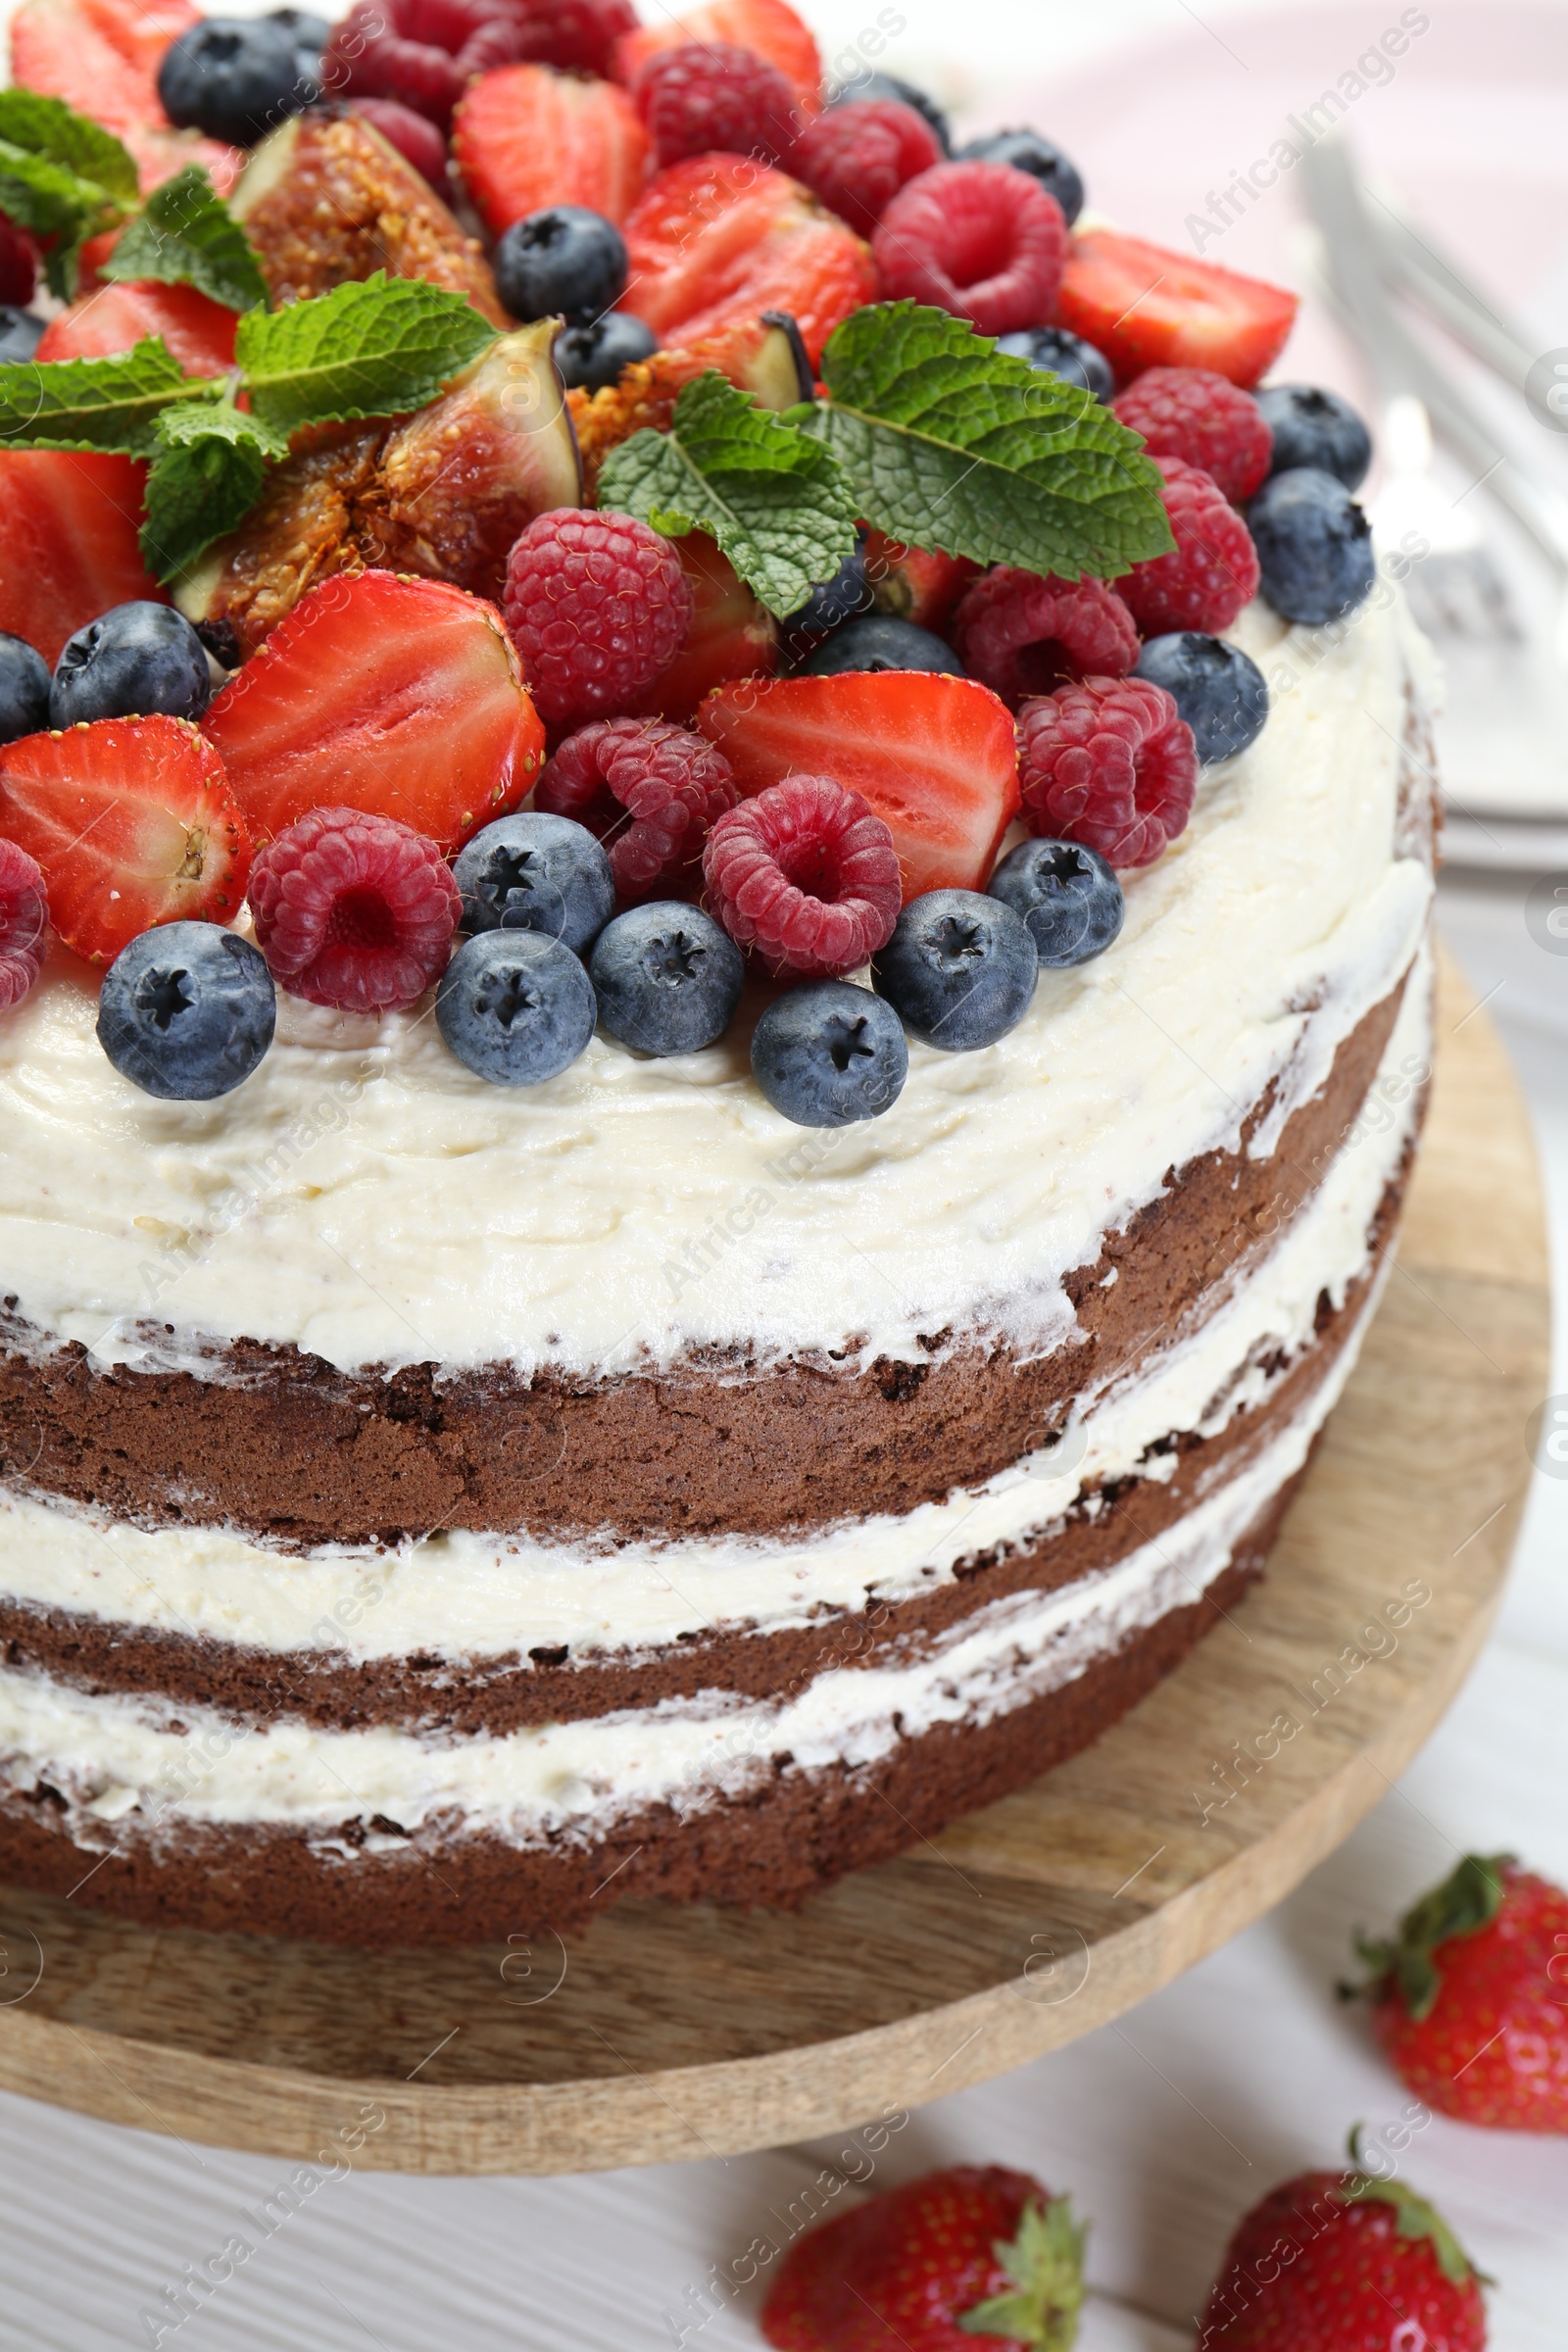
column 1166, row 2125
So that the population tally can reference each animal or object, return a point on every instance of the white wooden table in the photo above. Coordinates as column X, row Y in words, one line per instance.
column 1164, row 2127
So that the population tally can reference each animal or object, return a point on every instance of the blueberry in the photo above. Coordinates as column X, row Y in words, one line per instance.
column 234, row 77
column 1315, row 428
column 960, row 970
column 889, row 85
column 20, row 334
column 668, row 978
column 877, row 641
column 186, row 1011
column 533, row 872
column 139, row 658
column 23, row 689
column 514, row 1008
column 566, row 259
column 831, row 602
column 1057, row 352
column 1219, row 690
column 828, row 1054
column 1068, row 895
column 593, row 355
column 309, row 37
column 1027, row 151
column 1314, row 546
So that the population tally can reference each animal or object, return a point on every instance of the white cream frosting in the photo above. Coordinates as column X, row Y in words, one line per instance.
column 464, row 1596
column 125, row 1770
column 364, row 1197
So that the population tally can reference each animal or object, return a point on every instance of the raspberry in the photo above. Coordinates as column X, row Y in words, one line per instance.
column 19, row 263
column 1192, row 414
column 575, row 36
column 1020, row 634
column 858, row 157
column 414, row 136
column 710, row 97
column 23, row 923
column 1109, row 763
column 352, row 910
column 982, row 240
column 422, row 52
column 1209, row 575
column 808, row 875
column 671, row 783
column 598, row 607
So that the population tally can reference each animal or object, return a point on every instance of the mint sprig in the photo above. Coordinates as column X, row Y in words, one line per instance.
column 778, row 505
column 952, row 444
column 377, row 347
column 110, row 404
column 61, row 177
column 186, row 235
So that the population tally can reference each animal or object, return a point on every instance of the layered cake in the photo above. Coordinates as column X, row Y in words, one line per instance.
column 435, row 1509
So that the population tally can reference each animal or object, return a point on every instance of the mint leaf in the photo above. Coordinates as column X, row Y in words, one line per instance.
column 47, row 127
column 952, row 444
column 92, row 404
column 208, row 471
column 186, row 236
column 778, row 505
column 61, row 177
column 373, row 348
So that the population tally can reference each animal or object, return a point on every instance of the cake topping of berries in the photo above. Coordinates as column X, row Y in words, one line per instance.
column 1315, row 428
column 1314, row 546
column 1108, row 761
column 971, row 2252
column 232, row 78
column 668, row 978
column 1192, row 412
column 597, row 605
column 534, row 872
column 514, row 1007
column 856, row 156
column 710, row 97
column 352, row 910
column 188, row 1012
column 422, row 52
column 1069, row 897
column 649, row 791
column 1331, row 2259
column 1211, row 571
column 1467, row 1998
column 133, row 822
column 23, row 923
column 960, row 970
column 805, row 874
column 1219, row 690
column 563, row 257
column 828, row 1054
column 981, row 241
column 1020, row 635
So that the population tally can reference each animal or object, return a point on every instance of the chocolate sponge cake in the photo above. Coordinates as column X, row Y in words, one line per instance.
column 431, row 1510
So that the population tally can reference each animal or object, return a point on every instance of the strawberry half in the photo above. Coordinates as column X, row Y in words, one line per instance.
column 199, row 331
column 526, row 136
column 402, row 698
column 767, row 26
column 102, row 57
column 67, row 543
column 1146, row 307
column 718, row 239
column 916, row 583
column 936, row 757
column 731, row 636
column 133, row 823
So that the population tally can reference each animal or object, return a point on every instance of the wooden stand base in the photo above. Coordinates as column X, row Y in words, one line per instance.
column 666, row 2032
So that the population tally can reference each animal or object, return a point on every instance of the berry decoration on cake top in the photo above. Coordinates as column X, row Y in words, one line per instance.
column 755, row 418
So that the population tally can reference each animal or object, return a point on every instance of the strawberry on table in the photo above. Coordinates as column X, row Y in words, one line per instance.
column 1342, row 2262
column 527, row 138
column 718, row 239
column 199, row 331
column 132, row 823
column 963, row 2259
column 1146, row 307
column 935, row 756
column 768, row 28
column 102, row 57
column 69, row 549
column 1470, row 1997
column 400, row 698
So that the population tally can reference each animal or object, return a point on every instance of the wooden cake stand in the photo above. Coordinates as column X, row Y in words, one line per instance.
column 668, row 2033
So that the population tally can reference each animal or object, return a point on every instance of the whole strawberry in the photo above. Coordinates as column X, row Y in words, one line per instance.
column 1341, row 2261
column 963, row 2259
column 1470, row 1998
